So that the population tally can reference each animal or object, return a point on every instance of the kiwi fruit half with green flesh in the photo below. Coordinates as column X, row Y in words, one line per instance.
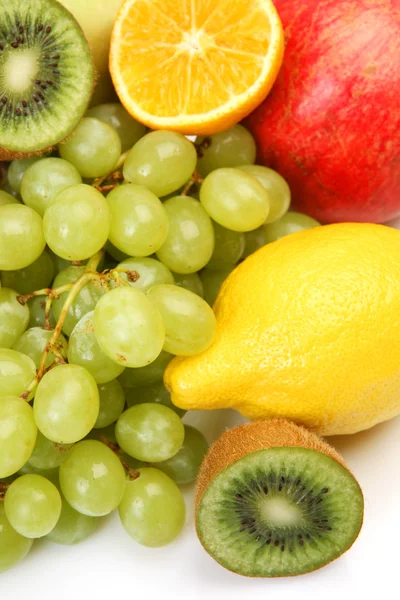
column 46, row 76
column 274, row 500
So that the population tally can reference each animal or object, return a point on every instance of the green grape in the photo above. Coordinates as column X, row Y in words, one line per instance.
column 92, row 479
column 77, row 223
column 48, row 455
column 152, row 510
column 162, row 161
column 17, row 434
column 190, row 241
column 151, row 272
column 17, row 170
column 184, row 466
column 14, row 317
column 112, row 403
column 146, row 375
column 94, row 148
column 33, row 343
column 37, row 312
column 84, row 302
column 291, row 222
column 234, row 199
column 72, row 527
column 277, row 188
column 17, row 371
column 129, row 130
column 84, row 350
column 188, row 281
column 36, row 276
column 45, row 179
column 190, row 323
column 115, row 253
column 212, row 281
column 155, row 392
column 6, row 198
column 13, row 546
column 21, row 236
column 139, row 222
column 150, row 432
column 228, row 250
column 66, row 404
column 255, row 240
column 28, row 469
column 32, row 505
column 128, row 327
column 230, row 148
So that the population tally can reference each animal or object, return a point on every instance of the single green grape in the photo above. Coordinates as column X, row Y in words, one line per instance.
column 152, row 373
column 139, row 222
column 45, row 179
column 129, row 130
column 17, row 434
column 291, row 222
column 162, row 161
column 112, row 403
column 17, row 371
column 21, row 236
column 190, row 241
column 212, row 282
column 72, row 527
column 184, row 466
column 6, row 198
column 155, row 392
column 33, row 343
column 13, row 546
column 36, row 276
column 152, row 510
column 115, row 253
column 77, row 223
column 190, row 323
column 28, row 469
column 188, row 281
column 84, row 350
column 255, row 240
column 150, row 432
column 234, row 199
column 32, row 505
column 94, row 148
column 128, row 327
column 84, row 302
column 92, row 479
column 14, row 317
column 277, row 188
column 228, row 250
column 48, row 455
column 151, row 272
column 230, row 148
column 37, row 312
column 17, row 170
column 66, row 404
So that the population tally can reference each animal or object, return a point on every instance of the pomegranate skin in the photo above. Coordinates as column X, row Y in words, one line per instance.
column 331, row 124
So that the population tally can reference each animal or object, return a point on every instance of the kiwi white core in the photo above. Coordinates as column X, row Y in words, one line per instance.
column 280, row 512
column 21, row 69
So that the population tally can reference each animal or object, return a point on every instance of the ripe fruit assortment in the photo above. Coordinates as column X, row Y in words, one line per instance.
column 115, row 242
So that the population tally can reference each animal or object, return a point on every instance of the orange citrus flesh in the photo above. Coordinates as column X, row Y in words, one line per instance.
column 195, row 66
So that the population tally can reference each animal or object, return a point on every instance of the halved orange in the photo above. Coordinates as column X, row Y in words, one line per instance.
column 195, row 66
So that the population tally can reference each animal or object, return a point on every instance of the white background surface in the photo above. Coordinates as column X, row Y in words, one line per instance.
column 110, row 565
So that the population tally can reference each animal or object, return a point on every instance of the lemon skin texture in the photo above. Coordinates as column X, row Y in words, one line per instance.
column 308, row 328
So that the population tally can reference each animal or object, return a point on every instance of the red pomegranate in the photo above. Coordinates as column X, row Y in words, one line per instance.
column 331, row 125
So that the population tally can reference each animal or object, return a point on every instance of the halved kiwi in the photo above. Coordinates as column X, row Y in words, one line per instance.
column 46, row 76
column 274, row 500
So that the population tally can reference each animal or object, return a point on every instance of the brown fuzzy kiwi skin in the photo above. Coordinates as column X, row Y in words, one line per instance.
column 258, row 435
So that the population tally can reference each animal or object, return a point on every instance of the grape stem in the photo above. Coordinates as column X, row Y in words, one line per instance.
column 3, row 489
column 115, row 175
column 132, row 473
column 195, row 179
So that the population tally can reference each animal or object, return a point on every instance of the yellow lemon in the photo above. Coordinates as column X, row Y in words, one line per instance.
column 308, row 329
